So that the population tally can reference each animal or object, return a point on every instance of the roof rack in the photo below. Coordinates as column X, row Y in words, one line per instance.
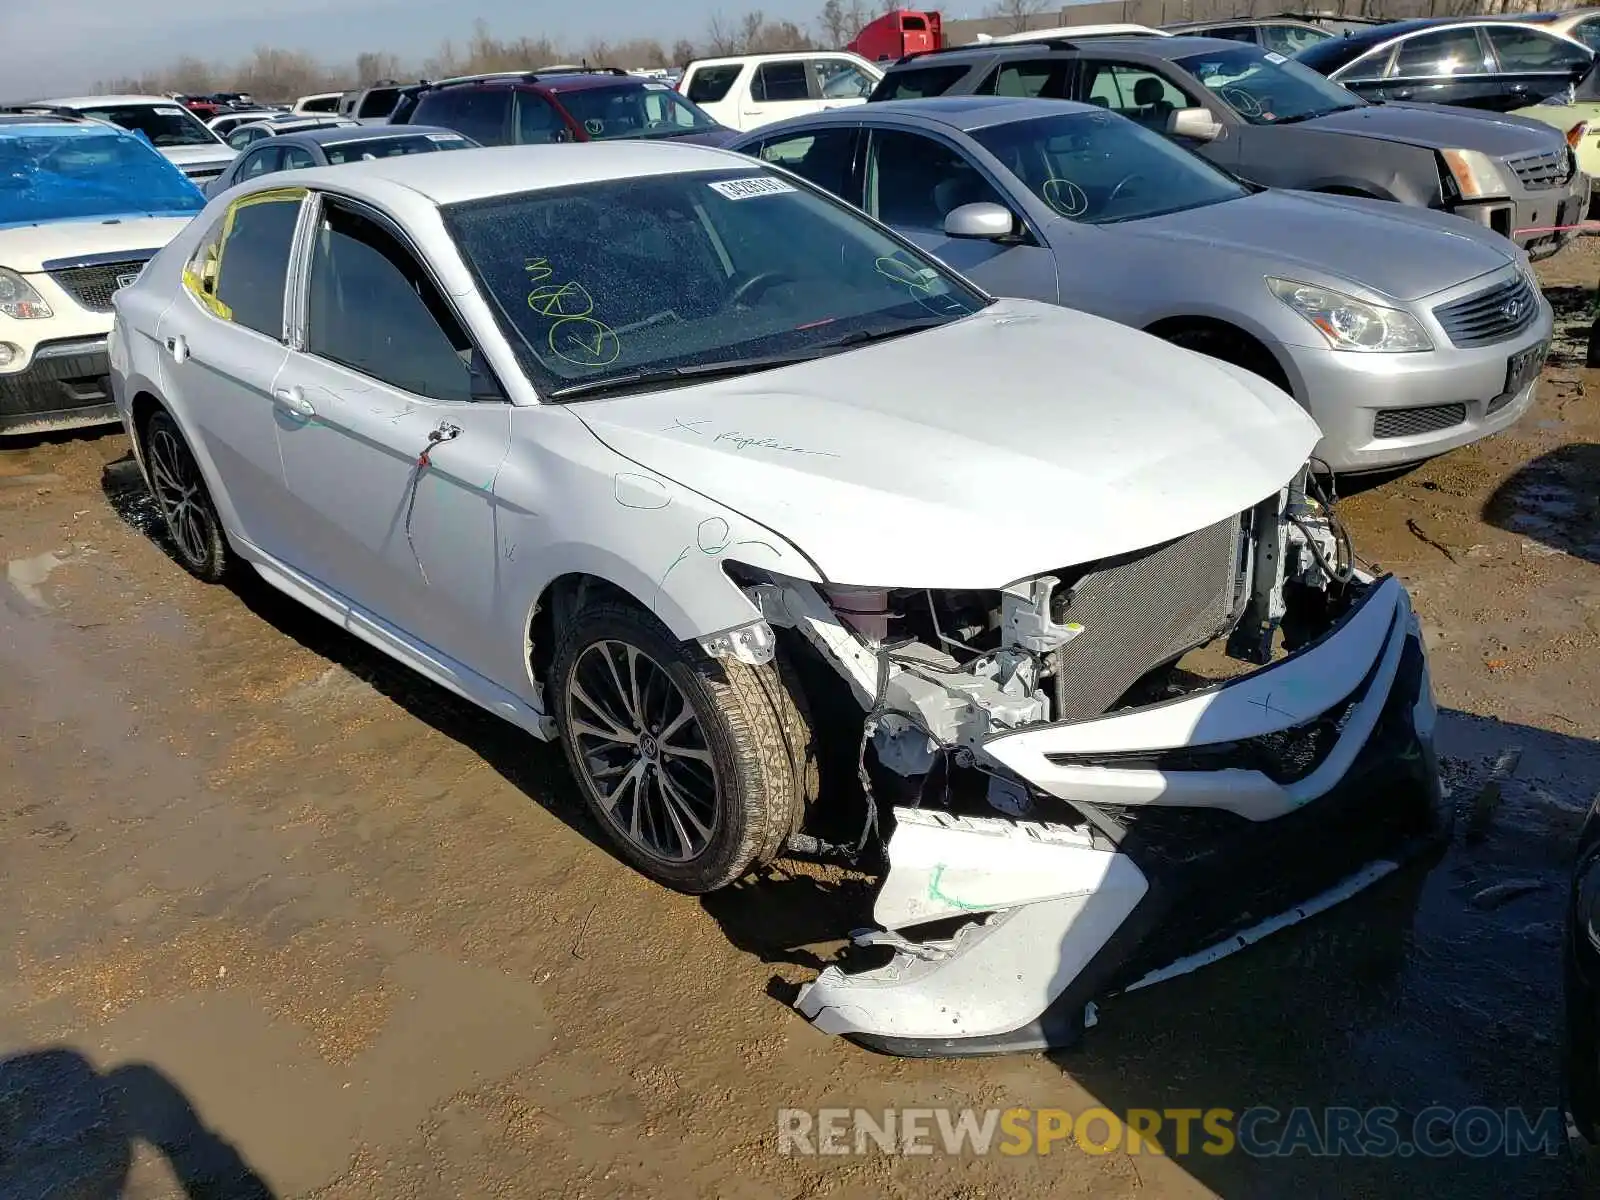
column 1052, row 43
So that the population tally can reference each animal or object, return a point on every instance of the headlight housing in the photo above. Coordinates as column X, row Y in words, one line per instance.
column 1476, row 174
column 1351, row 324
column 19, row 300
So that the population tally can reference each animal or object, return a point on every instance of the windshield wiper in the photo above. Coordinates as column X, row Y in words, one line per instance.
column 694, row 372
column 862, row 337
column 1311, row 116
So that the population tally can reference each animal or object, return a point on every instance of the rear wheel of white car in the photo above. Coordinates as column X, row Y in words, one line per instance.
column 697, row 768
column 180, row 491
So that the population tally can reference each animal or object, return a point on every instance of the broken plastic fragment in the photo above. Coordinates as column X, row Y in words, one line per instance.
column 888, row 937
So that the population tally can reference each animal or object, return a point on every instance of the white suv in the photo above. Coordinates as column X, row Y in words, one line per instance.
column 165, row 124
column 752, row 90
column 83, row 206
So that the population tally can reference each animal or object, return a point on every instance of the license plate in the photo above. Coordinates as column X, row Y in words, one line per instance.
column 1524, row 367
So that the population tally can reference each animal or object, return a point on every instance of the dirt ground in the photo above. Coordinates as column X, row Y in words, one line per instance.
column 279, row 915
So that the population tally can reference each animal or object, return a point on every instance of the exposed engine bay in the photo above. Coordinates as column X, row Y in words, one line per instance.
column 1070, row 760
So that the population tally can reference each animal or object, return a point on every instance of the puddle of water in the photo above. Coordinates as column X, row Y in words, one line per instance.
column 27, row 576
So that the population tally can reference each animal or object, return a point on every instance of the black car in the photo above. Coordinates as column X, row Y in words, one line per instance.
column 1482, row 63
column 1285, row 35
column 1270, row 120
column 332, row 147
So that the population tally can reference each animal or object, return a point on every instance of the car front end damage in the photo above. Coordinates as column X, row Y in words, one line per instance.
column 1112, row 774
column 1538, row 198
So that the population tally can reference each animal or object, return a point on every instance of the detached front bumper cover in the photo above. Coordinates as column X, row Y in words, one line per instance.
column 1210, row 859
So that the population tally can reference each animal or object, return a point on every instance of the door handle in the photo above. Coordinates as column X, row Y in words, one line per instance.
column 178, row 347
column 293, row 399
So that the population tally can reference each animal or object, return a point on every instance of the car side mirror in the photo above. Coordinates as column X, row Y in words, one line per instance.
column 982, row 221
column 482, row 386
column 1198, row 124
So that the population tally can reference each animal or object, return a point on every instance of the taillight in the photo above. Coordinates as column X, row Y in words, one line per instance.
column 1575, row 134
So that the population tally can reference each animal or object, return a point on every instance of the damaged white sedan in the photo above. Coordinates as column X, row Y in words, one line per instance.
column 776, row 523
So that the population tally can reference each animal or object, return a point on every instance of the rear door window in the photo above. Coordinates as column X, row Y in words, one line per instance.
column 1029, row 78
column 916, row 82
column 479, row 113
column 779, row 81
column 1532, row 52
column 239, row 272
column 1447, row 52
column 708, row 85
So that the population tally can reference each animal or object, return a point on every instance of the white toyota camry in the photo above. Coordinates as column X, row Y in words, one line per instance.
column 763, row 513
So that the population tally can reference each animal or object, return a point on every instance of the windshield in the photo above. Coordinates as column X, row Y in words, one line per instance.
column 605, row 281
column 392, row 147
column 1099, row 168
column 1291, row 39
column 163, row 124
column 49, row 174
column 633, row 111
column 1267, row 88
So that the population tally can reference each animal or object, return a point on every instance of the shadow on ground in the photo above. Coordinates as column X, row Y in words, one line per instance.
column 68, row 1130
column 1555, row 499
column 1574, row 313
column 1440, row 986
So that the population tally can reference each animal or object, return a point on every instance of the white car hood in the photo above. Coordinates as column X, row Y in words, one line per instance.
column 217, row 154
column 1017, row 441
column 27, row 248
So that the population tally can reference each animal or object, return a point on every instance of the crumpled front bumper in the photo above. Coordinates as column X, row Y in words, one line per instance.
column 1213, row 851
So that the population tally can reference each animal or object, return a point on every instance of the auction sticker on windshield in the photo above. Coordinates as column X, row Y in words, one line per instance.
column 745, row 189
column 170, row 112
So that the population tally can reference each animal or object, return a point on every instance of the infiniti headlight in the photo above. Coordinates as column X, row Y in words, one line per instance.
column 1351, row 324
column 19, row 300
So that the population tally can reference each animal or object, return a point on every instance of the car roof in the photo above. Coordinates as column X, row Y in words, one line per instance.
column 1122, row 47
column 963, row 113
column 505, row 170
column 723, row 60
column 338, row 135
column 1234, row 22
column 108, row 101
column 65, row 124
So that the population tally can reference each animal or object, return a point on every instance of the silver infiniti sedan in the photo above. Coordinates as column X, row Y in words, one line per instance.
column 1404, row 332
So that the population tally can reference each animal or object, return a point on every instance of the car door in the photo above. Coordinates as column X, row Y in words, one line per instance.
column 779, row 89
column 1534, row 64
column 912, row 181
column 1445, row 66
column 223, row 345
column 389, row 461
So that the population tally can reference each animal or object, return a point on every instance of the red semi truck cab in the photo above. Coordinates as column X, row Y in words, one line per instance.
column 901, row 32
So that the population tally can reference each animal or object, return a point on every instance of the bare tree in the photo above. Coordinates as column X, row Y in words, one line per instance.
column 683, row 53
column 721, row 38
column 372, row 66
column 1018, row 14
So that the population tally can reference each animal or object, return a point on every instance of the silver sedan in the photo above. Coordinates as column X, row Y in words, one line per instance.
column 1404, row 332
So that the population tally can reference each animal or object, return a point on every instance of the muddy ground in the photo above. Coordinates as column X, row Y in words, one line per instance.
column 281, row 916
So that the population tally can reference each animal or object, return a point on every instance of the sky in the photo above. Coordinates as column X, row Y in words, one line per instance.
column 56, row 47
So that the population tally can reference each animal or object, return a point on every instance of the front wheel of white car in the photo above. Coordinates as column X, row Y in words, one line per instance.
column 697, row 768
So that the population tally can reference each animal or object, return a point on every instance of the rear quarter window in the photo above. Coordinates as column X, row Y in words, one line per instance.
column 708, row 85
column 913, row 83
